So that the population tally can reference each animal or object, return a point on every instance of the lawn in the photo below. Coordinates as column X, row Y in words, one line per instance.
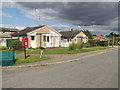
column 30, row 59
column 64, row 50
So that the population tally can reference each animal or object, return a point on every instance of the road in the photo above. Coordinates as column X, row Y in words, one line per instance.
column 100, row 71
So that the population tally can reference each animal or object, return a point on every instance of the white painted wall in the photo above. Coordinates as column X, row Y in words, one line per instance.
column 33, row 42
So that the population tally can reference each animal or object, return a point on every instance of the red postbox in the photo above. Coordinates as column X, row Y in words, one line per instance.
column 25, row 41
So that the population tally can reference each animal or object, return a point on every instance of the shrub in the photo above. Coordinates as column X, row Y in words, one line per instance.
column 16, row 45
column 92, row 43
column 102, row 43
column 30, row 48
column 79, row 45
column 86, row 45
column 3, row 48
column 41, row 48
column 73, row 46
column 105, row 44
column 116, row 43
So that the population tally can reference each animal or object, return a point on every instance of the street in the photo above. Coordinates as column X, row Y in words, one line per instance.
column 100, row 71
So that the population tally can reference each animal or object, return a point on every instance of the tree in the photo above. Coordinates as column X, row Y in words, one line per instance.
column 88, row 33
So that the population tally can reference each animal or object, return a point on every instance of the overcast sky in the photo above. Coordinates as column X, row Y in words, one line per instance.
column 98, row 17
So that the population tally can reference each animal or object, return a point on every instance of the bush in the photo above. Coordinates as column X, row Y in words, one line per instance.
column 3, row 48
column 105, row 44
column 102, row 43
column 41, row 48
column 86, row 45
column 16, row 45
column 79, row 45
column 30, row 48
column 73, row 46
column 92, row 43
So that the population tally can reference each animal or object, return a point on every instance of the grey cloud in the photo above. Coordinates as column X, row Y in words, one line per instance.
column 102, row 14
column 61, row 27
column 84, row 13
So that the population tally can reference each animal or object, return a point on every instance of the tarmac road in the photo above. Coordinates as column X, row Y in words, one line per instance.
column 100, row 71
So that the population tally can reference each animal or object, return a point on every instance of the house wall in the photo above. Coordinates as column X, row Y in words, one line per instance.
column 33, row 43
column 56, row 38
column 84, row 39
column 79, row 40
column 38, row 41
column 29, row 41
column 54, row 41
column 44, row 30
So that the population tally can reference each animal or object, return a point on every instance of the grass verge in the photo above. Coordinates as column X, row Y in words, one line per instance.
column 29, row 59
column 65, row 50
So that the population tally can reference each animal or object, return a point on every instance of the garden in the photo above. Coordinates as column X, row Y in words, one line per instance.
column 74, row 48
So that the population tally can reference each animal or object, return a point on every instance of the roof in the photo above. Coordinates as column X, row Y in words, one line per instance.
column 5, row 35
column 26, row 30
column 9, row 29
column 69, row 34
column 106, row 37
column 101, row 38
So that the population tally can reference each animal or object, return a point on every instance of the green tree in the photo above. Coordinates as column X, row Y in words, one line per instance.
column 88, row 33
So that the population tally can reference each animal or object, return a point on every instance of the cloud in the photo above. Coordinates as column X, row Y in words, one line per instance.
column 3, row 14
column 102, row 14
column 83, row 13
column 60, row 27
column 11, row 26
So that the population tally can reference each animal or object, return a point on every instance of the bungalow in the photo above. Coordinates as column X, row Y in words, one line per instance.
column 73, row 36
column 5, row 34
column 101, row 38
column 40, row 36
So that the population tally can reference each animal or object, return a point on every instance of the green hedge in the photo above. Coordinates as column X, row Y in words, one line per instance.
column 92, row 43
column 102, row 43
column 16, row 45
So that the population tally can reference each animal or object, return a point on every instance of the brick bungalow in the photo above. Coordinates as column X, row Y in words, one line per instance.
column 5, row 33
column 73, row 36
column 40, row 36
column 101, row 38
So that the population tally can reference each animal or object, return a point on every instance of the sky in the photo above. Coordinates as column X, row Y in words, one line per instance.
column 98, row 17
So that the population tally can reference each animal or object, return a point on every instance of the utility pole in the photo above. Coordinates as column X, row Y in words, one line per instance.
column 113, row 40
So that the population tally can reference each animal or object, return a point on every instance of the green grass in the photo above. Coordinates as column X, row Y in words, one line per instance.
column 21, row 60
column 17, row 52
column 64, row 50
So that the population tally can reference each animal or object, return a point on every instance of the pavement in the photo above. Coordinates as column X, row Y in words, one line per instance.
column 98, row 69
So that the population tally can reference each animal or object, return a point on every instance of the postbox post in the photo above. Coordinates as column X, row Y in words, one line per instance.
column 25, row 44
column 25, row 52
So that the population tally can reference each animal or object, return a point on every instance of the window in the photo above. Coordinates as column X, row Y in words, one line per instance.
column 44, row 38
column 32, row 37
column 47, row 38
